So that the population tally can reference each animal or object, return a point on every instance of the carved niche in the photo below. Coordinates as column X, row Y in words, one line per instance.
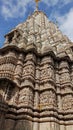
column 7, row 91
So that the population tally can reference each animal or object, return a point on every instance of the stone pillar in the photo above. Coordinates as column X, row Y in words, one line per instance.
column 48, row 99
column 59, row 100
column 66, row 91
column 26, row 98
column 66, row 87
column 36, row 108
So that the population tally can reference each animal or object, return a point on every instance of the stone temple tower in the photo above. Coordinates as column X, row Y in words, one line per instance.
column 36, row 77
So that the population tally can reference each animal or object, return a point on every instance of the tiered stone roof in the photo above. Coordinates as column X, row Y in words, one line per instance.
column 42, row 34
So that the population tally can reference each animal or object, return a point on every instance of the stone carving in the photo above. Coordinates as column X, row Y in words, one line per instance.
column 36, row 77
column 47, row 72
column 29, row 70
column 67, row 103
column 65, row 77
column 26, row 97
column 47, row 99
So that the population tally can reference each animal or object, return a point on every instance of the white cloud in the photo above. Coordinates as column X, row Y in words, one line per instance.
column 18, row 8
column 66, row 23
column 55, row 2
column 50, row 2
column 11, row 8
column 67, row 1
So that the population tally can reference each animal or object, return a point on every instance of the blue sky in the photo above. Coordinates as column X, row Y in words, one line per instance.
column 13, row 12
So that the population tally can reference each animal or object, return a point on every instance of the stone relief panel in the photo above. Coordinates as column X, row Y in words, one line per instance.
column 47, row 72
column 26, row 97
column 29, row 70
column 47, row 100
column 67, row 103
column 64, row 72
column 64, row 77
column 29, row 67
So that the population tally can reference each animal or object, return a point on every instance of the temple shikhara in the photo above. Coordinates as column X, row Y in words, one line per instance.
column 36, row 77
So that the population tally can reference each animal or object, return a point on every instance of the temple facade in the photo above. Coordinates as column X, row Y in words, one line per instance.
column 36, row 77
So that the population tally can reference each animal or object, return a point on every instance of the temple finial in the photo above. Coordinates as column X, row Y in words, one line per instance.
column 37, row 1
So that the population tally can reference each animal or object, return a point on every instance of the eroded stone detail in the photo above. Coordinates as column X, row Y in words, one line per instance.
column 36, row 77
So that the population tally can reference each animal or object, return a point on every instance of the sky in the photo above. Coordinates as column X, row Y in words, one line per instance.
column 14, row 12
